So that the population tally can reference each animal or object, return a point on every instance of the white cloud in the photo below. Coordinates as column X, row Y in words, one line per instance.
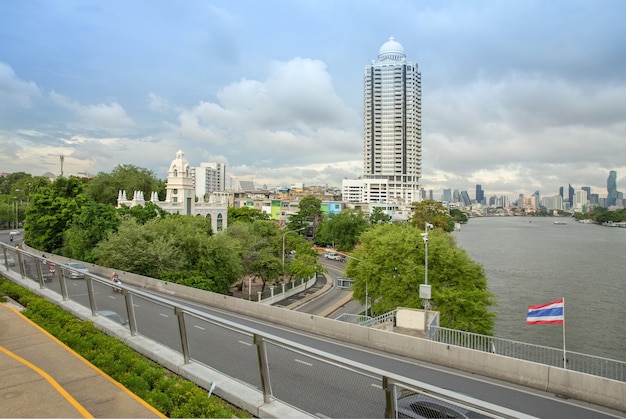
column 111, row 117
column 16, row 92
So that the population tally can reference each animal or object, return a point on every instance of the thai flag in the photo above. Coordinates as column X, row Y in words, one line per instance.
column 550, row 313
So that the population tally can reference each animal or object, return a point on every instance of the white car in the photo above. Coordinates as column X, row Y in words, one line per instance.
column 333, row 256
column 15, row 233
column 78, row 270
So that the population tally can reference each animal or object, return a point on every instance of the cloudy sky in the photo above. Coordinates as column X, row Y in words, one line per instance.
column 517, row 96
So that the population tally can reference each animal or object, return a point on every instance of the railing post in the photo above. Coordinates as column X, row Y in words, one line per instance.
column 389, row 399
column 92, row 297
column 266, row 385
column 20, row 262
column 40, row 277
column 130, row 312
column 183, row 333
column 62, row 282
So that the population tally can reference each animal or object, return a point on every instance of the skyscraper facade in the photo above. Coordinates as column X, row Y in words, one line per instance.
column 392, row 125
column 480, row 194
column 611, row 188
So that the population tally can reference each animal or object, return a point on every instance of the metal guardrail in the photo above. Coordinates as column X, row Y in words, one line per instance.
column 366, row 390
column 588, row 364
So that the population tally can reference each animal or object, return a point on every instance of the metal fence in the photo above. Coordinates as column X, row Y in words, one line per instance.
column 588, row 364
column 296, row 374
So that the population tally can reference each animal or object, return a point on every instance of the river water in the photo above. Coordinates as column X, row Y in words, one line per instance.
column 531, row 260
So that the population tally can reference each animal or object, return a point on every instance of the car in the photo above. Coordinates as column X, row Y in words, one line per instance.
column 423, row 406
column 9, row 260
column 332, row 256
column 15, row 233
column 77, row 270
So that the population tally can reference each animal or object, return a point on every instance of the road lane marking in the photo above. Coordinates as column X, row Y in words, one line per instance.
column 199, row 327
column 303, row 362
column 244, row 343
column 163, row 314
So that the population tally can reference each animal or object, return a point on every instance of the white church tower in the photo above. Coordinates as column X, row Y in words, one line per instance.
column 180, row 193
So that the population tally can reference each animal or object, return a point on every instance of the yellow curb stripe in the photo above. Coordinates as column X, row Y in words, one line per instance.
column 90, row 365
column 52, row 382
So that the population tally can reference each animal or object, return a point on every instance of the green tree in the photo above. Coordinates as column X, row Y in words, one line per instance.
column 9, row 183
column 308, row 216
column 245, row 214
column 378, row 216
column 105, row 187
column 458, row 216
column 389, row 263
column 143, row 213
column 342, row 230
column 261, row 248
column 139, row 249
column 433, row 212
column 88, row 228
column 51, row 212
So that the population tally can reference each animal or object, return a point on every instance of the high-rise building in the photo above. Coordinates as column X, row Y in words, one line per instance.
column 561, row 191
column 570, row 196
column 480, row 194
column 465, row 199
column 611, row 187
column 447, row 195
column 392, row 124
column 587, row 190
column 209, row 177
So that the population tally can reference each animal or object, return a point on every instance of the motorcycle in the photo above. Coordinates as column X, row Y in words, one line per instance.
column 118, row 282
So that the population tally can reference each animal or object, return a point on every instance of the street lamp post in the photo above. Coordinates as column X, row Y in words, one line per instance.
column 290, row 231
column 425, row 291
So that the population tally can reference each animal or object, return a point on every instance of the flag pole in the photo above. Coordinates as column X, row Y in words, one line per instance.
column 564, row 352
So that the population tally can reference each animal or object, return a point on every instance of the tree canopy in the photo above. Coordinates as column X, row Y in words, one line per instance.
column 105, row 187
column 342, row 230
column 433, row 212
column 389, row 263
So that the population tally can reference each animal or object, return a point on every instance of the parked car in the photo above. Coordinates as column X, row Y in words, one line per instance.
column 332, row 256
column 423, row 406
column 15, row 233
column 9, row 259
column 77, row 271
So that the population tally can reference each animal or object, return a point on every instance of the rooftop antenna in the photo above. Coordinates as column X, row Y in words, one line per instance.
column 62, row 157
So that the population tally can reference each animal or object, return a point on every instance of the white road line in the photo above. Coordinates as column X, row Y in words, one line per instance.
column 378, row 386
column 163, row 314
column 199, row 327
column 244, row 343
column 303, row 362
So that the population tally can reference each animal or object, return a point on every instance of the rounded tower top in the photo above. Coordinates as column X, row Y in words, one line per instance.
column 391, row 50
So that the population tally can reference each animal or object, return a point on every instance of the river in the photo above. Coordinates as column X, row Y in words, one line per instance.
column 531, row 260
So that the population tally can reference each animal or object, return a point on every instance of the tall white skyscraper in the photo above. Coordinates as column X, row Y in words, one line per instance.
column 392, row 127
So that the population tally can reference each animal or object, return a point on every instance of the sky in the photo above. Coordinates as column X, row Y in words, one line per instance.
column 517, row 96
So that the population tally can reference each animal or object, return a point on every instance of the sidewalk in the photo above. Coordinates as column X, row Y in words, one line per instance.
column 41, row 377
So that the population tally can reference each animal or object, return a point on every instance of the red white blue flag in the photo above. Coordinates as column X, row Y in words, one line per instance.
column 550, row 313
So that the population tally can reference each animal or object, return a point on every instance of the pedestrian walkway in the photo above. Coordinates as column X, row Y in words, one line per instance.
column 41, row 377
